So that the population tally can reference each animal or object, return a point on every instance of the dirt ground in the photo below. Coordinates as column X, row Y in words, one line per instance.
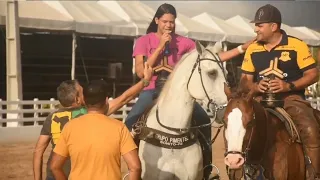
column 16, row 160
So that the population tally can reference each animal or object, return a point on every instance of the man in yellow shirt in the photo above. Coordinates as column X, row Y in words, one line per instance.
column 95, row 142
column 290, row 60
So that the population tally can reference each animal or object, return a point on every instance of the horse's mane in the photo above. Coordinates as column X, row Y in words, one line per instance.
column 241, row 90
column 183, row 58
column 166, row 86
column 168, row 82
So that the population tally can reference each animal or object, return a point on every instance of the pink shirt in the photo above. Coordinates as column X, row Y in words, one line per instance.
column 146, row 45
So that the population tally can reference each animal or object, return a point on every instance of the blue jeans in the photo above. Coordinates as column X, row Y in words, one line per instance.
column 145, row 100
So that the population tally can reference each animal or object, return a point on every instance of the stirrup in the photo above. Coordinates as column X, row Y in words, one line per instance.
column 125, row 176
column 213, row 176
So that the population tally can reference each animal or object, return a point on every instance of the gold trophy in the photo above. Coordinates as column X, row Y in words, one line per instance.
column 270, row 99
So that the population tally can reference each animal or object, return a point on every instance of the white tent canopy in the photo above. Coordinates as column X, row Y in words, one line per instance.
column 293, row 32
column 245, row 24
column 85, row 17
column 131, row 11
column 138, row 13
column 233, row 34
column 196, row 30
column 309, row 32
column 38, row 15
column 141, row 15
column 92, row 18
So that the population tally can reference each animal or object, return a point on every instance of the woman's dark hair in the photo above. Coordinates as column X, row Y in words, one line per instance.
column 163, row 9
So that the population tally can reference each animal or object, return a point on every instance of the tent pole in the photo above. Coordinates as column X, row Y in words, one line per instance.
column 14, row 81
column 73, row 64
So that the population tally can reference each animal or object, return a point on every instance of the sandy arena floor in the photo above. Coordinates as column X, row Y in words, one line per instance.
column 16, row 160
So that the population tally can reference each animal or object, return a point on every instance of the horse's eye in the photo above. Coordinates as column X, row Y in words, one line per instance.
column 213, row 73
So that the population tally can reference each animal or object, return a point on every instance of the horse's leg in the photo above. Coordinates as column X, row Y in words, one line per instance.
column 149, row 156
column 296, row 165
column 167, row 174
column 278, row 158
column 193, row 167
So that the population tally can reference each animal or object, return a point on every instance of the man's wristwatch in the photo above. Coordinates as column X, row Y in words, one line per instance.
column 145, row 83
column 292, row 86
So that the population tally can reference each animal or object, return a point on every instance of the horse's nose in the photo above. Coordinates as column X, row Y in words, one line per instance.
column 234, row 161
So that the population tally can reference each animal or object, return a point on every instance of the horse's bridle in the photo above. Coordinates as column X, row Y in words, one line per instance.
column 197, row 63
column 210, row 101
column 244, row 153
column 248, row 146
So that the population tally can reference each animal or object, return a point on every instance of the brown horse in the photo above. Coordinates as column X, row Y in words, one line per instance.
column 259, row 141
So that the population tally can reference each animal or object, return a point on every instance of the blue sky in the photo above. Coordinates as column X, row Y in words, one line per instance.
column 294, row 13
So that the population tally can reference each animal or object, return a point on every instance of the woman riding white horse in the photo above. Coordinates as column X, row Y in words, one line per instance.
column 161, row 42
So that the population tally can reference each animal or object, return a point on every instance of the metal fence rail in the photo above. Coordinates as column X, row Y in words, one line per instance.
column 34, row 113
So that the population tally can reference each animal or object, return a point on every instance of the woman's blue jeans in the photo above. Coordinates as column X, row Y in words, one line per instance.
column 145, row 100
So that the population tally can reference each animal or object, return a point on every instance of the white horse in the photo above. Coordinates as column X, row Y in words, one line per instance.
column 175, row 106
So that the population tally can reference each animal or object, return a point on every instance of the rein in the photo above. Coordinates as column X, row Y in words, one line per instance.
column 197, row 63
column 210, row 101
column 245, row 152
column 248, row 147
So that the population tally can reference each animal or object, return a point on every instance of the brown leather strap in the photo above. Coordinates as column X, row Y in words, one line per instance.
column 286, row 119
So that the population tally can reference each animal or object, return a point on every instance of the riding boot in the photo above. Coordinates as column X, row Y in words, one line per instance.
column 207, row 160
column 313, row 163
column 308, row 127
column 206, row 152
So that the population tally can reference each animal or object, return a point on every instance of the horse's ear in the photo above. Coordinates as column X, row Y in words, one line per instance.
column 243, row 81
column 227, row 91
column 216, row 46
column 200, row 48
column 211, row 44
column 243, row 84
column 251, row 95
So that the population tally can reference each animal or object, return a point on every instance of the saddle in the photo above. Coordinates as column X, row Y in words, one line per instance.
column 288, row 122
column 141, row 123
column 281, row 113
column 159, row 138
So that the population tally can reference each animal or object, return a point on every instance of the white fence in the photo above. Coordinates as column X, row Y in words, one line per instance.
column 26, row 113
column 33, row 113
column 315, row 102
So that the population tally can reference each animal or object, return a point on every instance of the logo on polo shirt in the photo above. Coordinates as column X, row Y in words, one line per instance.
column 285, row 56
column 273, row 69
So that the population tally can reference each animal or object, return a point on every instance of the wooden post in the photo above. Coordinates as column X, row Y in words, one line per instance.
column 14, row 82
